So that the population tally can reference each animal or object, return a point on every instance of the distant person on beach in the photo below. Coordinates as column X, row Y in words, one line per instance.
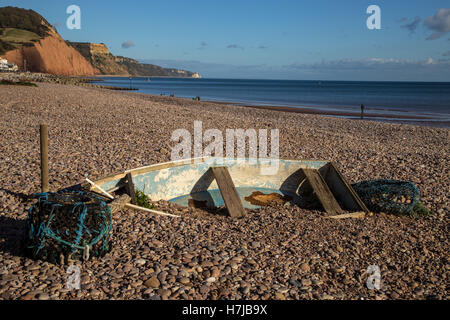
column 362, row 111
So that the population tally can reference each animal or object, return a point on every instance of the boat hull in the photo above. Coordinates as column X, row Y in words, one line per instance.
column 192, row 182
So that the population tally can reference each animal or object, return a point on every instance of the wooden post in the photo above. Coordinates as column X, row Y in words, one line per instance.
column 130, row 189
column 44, row 158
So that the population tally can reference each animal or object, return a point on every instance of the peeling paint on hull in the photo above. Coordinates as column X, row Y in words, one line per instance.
column 191, row 179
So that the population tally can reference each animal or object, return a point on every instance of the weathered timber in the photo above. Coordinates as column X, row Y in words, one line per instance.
column 342, row 189
column 353, row 215
column 229, row 193
column 130, row 188
column 44, row 158
column 323, row 192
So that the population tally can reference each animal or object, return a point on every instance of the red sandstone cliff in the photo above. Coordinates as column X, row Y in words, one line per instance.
column 51, row 55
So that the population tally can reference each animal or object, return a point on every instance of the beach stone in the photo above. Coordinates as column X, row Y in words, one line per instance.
column 283, row 290
column 245, row 290
column 211, row 279
column 184, row 280
column 204, row 289
column 306, row 282
column 141, row 262
column 29, row 296
column 317, row 282
column 305, row 267
column 183, row 273
column 162, row 276
column 164, row 293
column 153, row 282
column 207, row 264
column 395, row 296
column 215, row 272
column 280, row 296
column 295, row 282
column 43, row 296
column 95, row 292
column 149, row 271
column 256, row 244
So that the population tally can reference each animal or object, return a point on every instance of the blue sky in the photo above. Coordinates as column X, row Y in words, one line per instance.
column 323, row 39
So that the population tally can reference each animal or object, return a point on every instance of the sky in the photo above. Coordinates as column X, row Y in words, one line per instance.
column 259, row 39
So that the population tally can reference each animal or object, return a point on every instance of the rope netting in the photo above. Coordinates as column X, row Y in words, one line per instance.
column 389, row 196
column 68, row 225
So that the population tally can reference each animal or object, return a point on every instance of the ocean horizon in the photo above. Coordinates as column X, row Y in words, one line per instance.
column 386, row 101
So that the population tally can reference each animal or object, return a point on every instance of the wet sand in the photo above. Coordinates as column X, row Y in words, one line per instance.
column 404, row 118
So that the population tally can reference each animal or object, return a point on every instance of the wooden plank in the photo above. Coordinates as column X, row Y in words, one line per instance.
column 130, row 189
column 94, row 185
column 353, row 215
column 132, row 206
column 44, row 158
column 342, row 190
column 322, row 191
column 229, row 193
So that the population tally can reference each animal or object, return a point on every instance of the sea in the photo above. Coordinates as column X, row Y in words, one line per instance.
column 422, row 102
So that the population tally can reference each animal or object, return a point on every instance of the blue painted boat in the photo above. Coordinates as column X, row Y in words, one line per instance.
column 191, row 181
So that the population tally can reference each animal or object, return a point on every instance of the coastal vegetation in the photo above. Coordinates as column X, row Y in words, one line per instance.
column 5, row 46
column 20, row 27
column 18, row 35
column 420, row 211
column 29, row 20
column 143, row 200
column 17, row 83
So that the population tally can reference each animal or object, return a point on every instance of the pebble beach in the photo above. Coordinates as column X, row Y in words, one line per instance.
column 280, row 252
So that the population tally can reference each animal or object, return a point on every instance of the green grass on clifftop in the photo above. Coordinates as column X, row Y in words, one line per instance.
column 19, row 83
column 17, row 35
column 29, row 20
